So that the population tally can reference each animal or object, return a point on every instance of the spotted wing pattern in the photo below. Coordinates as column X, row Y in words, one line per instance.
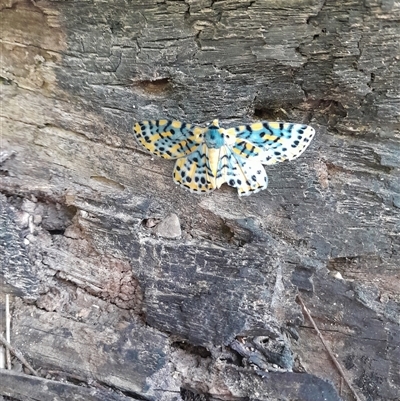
column 168, row 139
column 238, row 162
column 271, row 142
column 247, row 175
column 193, row 172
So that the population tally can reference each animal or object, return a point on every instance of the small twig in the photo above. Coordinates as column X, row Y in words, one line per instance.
column 8, row 325
column 18, row 354
column 335, row 361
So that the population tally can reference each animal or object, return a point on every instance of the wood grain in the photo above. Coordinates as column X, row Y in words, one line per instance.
column 212, row 314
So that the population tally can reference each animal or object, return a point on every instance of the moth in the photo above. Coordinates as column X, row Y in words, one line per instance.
column 208, row 157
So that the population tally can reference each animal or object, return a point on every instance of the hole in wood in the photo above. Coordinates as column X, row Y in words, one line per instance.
column 56, row 232
column 189, row 395
column 156, row 86
column 192, row 349
column 271, row 114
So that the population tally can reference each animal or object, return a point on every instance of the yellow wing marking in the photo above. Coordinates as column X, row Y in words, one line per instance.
column 256, row 126
column 274, row 125
column 176, row 124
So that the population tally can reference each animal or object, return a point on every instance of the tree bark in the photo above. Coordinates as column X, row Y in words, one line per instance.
column 108, row 306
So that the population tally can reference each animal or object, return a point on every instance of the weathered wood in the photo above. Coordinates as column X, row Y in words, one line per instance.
column 29, row 388
column 104, row 297
column 16, row 275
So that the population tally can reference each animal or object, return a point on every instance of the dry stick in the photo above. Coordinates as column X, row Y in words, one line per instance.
column 17, row 354
column 8, row 325
column 335, row 361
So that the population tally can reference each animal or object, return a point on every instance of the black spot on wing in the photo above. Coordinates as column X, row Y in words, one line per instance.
column 268, row 128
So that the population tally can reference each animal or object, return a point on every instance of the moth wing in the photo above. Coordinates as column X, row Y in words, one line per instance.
column 246, row 174
column 272, row 142
column 168, row 139
column 192, row 171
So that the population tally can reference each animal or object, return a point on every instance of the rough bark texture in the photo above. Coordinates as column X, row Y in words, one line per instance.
column 109, row 305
